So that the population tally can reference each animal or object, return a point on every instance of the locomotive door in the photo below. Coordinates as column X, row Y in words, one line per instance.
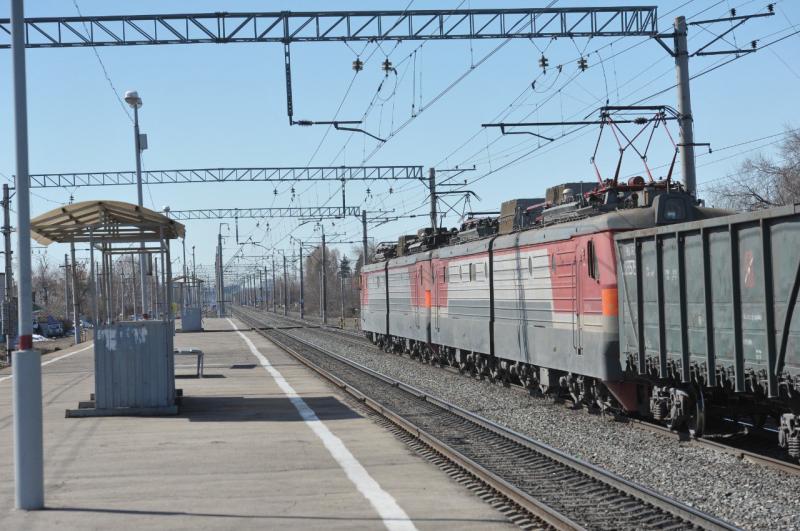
column 437, row 270
column 415, row 283
column 579, row 259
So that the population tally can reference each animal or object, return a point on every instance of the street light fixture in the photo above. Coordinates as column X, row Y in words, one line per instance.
column 140, row 142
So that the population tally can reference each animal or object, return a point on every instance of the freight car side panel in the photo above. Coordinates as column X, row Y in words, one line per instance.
column 718, row 300
column 785, row 236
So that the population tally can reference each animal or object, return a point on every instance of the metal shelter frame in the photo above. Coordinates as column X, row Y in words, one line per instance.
column 107, row 226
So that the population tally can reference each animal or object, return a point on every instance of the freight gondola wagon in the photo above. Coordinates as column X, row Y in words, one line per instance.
column 707, row 315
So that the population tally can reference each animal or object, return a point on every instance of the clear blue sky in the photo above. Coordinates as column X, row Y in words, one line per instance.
column 224, row 105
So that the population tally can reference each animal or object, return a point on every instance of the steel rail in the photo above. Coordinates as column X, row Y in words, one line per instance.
column 787, row 467
column 660, row 501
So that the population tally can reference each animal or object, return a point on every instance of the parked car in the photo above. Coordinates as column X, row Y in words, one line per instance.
column 52, row 328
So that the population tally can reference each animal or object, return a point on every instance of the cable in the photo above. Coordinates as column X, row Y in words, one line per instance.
column 103, row 66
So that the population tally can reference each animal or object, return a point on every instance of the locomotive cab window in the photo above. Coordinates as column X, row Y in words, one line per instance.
column 472, row 273
column 591, row 260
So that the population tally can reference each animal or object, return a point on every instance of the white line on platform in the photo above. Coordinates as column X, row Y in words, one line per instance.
column 394, row 517
column 48, row 362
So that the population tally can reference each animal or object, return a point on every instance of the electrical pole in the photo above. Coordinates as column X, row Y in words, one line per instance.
column 195, row 296
column 324, row 279
column 302, row 292
column 365, row 260
column 685, row 118
column 274, row 302
column 156, row 307
column 341, row 296
column 285, row 288
column 184, row 293
column 66, row 286
column 216, row 279
column 76, row 327
column 221, row 284
column 133, row 277
column 8, row 325
column 432, row 188
column 27, row 367
column 266, row 289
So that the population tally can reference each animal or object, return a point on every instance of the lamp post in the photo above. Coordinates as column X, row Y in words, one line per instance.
column 140, row 142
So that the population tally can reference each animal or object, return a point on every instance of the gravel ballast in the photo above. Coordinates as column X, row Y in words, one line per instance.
column 745, row 494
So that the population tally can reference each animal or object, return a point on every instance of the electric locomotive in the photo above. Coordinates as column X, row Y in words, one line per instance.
column 632, row 296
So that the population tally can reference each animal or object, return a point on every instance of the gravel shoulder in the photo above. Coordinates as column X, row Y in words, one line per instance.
column 748, row 495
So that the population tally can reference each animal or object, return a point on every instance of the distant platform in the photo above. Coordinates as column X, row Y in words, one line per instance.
column 259, row 442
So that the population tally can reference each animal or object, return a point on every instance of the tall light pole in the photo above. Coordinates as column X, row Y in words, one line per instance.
column 27, row 397
column 133, row 99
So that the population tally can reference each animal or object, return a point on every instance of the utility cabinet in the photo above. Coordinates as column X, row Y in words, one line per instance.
column 135, row 367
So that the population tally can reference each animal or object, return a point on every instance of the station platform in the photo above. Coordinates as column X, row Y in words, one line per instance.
column 260, row 442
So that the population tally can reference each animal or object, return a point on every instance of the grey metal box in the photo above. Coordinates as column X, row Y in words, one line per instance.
column 134, row 365
column 191, row 320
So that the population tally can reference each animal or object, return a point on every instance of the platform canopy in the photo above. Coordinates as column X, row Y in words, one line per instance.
column 103, row 222
column 187, row 280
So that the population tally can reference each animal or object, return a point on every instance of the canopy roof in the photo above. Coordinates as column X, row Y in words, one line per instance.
column 187, row 280
column 106, row 222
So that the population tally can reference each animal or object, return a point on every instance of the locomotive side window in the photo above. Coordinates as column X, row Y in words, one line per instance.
column 530, row 266
column 591, row 257
column 472, row 273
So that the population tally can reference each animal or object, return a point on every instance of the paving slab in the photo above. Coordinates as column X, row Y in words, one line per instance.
column 239, row 454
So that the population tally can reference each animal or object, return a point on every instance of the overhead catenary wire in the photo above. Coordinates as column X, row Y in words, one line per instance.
column 603, row 58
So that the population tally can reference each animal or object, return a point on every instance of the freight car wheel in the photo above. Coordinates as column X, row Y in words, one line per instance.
column 697, row 422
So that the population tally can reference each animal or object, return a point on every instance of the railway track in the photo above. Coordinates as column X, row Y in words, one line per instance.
column 726, row 445
column 563, row 492
column 345, row 335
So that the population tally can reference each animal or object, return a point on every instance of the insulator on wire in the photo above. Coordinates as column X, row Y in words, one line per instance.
column 358, row 65
column 583, row 64
column 771, row 8
column 275, row 191
column 544, row 63
column 386, row 65
column 754, row 44
column 733, row 12
column 391, row 190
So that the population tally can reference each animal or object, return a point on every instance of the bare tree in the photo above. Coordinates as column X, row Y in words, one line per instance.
column 763, row 181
